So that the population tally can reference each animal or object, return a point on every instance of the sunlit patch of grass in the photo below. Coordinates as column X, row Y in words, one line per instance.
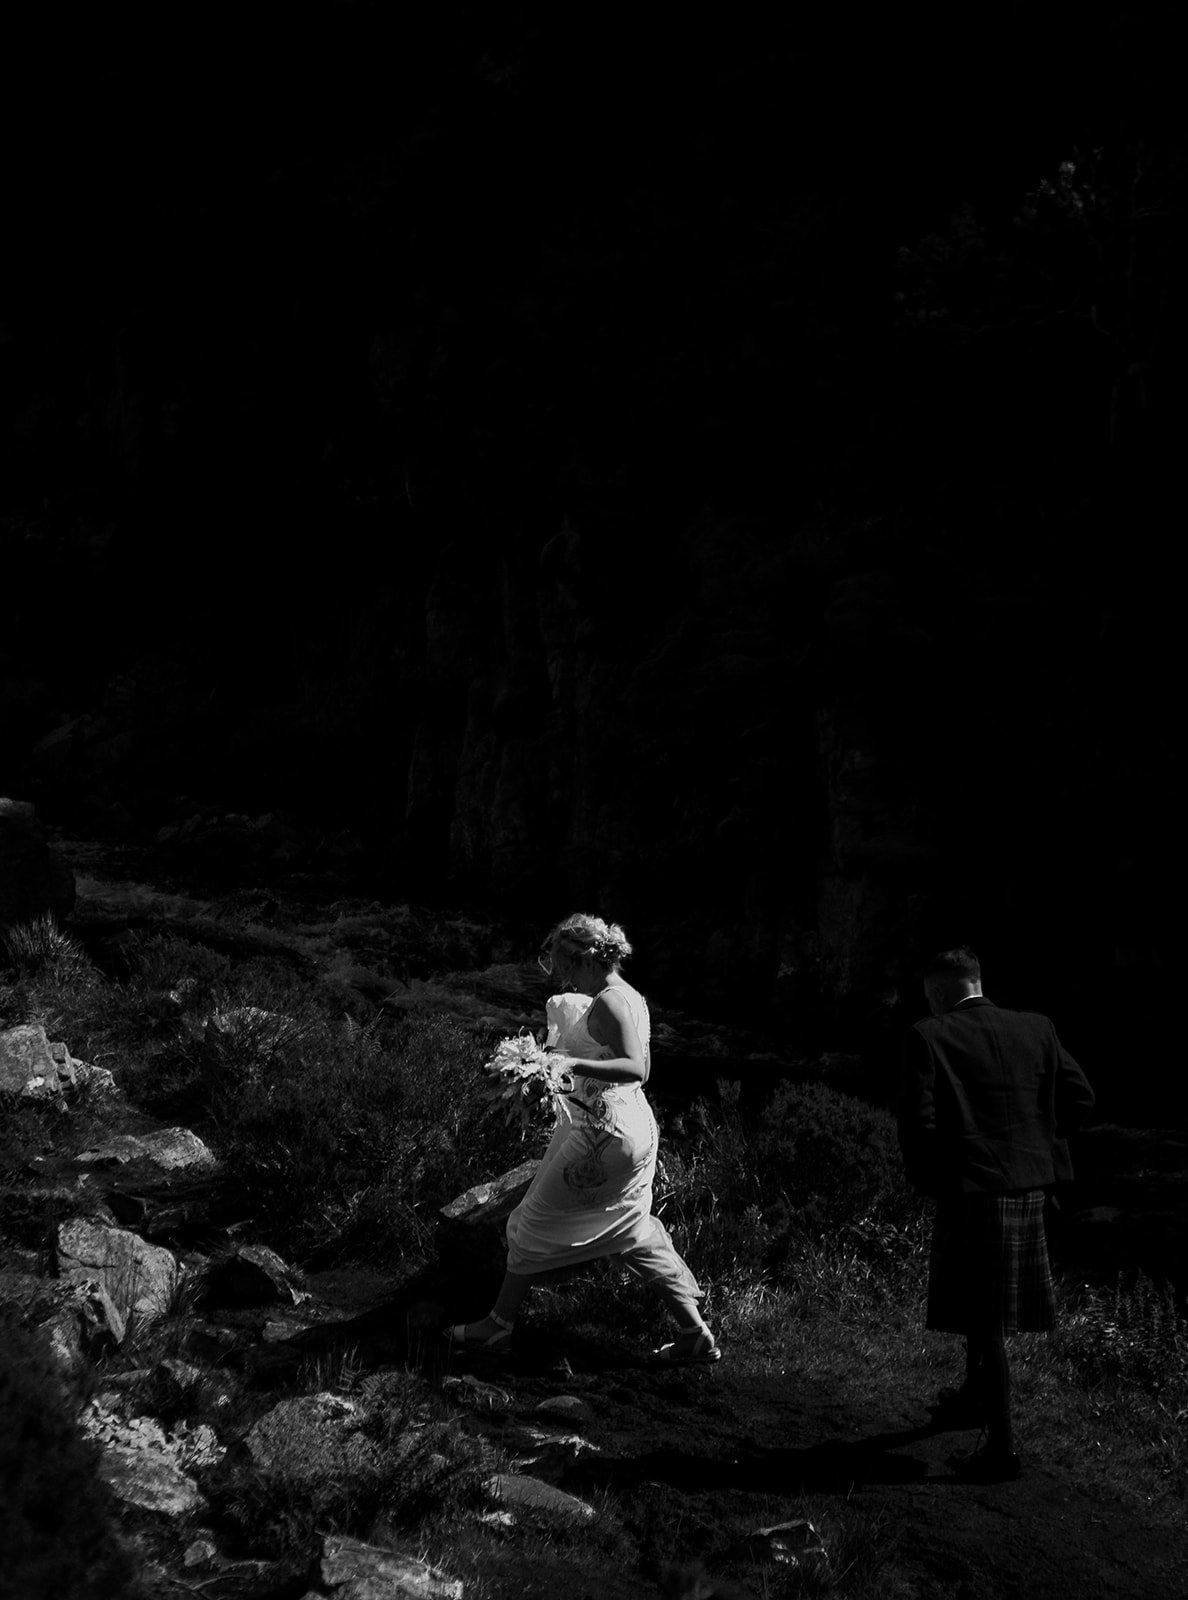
column 1107, row 1393
column 541, row 1554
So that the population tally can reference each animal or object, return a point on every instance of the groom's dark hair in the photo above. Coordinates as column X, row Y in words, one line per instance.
column 958, row 961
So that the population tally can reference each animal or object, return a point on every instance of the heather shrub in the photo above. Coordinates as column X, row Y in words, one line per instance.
column 210, row 1030
column 47, row 1465
column 329, row 1127
column 182, row 969
column 333, row 1127
column 748, row 1195
column 834, row 1158
column 709, row 1190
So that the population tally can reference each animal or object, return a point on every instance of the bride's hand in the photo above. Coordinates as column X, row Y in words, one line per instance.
column 563, row 1065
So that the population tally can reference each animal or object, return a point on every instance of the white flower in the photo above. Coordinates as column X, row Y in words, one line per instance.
column 524, row 1076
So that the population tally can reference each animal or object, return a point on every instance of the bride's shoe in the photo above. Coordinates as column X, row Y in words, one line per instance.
column 703, row 1352
column 492, row 1345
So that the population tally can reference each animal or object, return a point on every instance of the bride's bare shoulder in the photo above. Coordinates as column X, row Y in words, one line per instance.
column 614, row 1001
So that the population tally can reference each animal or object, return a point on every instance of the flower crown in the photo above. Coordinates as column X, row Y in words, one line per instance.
column 605, row 946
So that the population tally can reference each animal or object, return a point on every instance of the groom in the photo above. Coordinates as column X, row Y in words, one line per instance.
column 987, row 1099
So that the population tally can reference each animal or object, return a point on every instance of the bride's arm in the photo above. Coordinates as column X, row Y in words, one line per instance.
column 609, row 1024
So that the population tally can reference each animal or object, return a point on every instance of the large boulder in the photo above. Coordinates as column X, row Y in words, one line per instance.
column 252, row 1275
column 170, row 1149
column 27, row 1064
column 518, row 1492
column 35, row 880
column 33, row 1066
column 470, row 1230
column 139, row 1277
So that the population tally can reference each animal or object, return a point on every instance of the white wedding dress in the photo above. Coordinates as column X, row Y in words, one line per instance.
column 592, row 1193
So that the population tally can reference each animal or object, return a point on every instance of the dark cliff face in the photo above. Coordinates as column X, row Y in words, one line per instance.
column 786, row 758
column 712, row 480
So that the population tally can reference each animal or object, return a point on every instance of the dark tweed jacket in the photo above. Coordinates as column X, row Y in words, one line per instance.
column 987, row 1101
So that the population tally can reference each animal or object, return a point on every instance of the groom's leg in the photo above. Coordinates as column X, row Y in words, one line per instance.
column 973, row 1368
column 995, row 1385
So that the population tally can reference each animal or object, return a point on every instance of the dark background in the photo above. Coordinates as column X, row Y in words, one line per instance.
column 689, row 470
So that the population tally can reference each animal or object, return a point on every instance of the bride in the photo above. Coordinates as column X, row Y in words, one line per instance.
column 592, row 1194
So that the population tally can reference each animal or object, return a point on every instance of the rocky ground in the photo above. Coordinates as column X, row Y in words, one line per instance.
column 724, row 1478
column 697, row 1464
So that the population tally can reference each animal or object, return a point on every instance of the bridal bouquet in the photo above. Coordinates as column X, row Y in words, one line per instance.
column 523, row 1075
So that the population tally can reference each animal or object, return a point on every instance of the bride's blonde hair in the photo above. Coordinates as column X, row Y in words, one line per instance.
column 587, row 935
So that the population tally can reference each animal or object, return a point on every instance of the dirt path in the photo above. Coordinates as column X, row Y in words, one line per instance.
column 698, row 1460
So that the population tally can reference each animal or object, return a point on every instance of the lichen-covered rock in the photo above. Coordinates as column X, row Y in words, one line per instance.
column 542, row 1452
column 200, row 1553
column 252, row 1275
column 82, row 1076
column 470, row 1229
column 171, row 1149
column 63, row 1060
column 139, row 1277
column 27, row 1065
column 97, row 1081
column 145, row 1465
column 352, row 1570
column 565, row 1407
column 520, row 1493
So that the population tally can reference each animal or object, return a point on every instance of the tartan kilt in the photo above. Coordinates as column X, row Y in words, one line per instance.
column 988, row 1269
